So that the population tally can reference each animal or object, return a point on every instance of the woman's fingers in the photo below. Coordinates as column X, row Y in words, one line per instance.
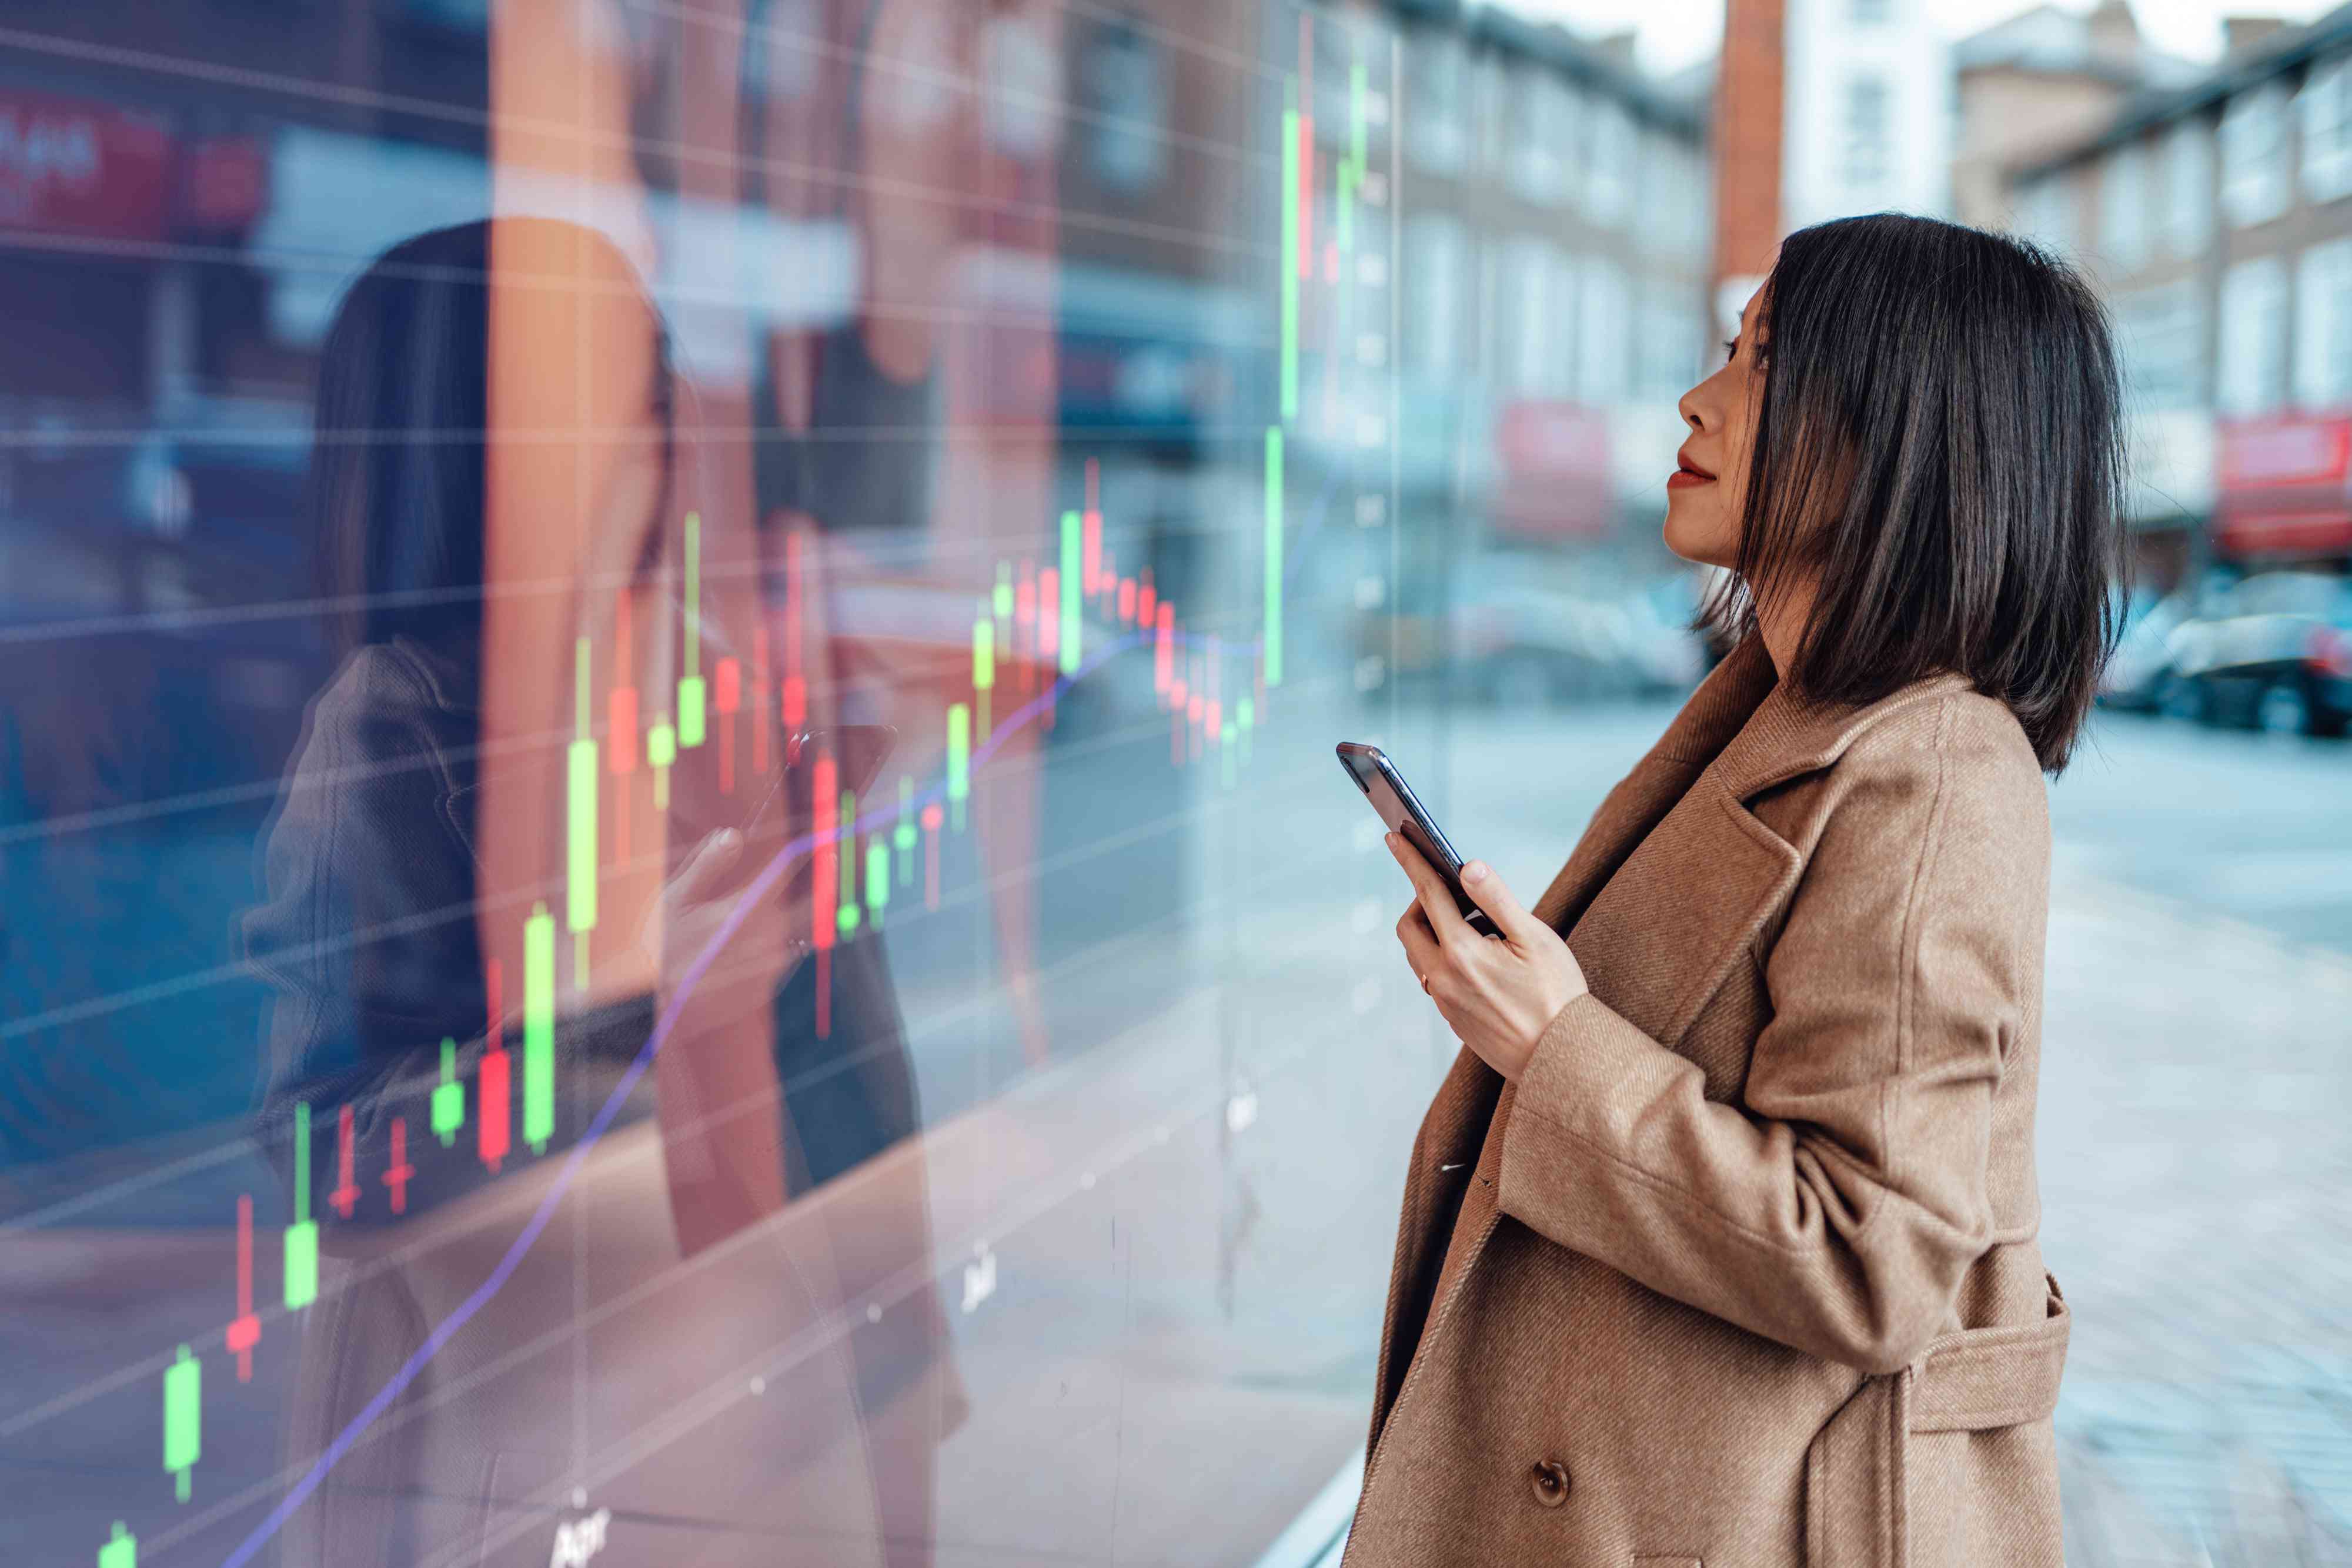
column 1501, row 905
column 1429, row 889
column 703, row 868
column 1421, row 948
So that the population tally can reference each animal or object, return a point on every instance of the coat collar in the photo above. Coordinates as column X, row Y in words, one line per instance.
column 1756, row 732
column 1745, row 725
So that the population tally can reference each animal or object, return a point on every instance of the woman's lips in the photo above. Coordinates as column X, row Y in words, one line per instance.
column 1682, row 476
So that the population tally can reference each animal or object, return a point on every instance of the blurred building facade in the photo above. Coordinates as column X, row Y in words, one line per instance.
column 2216, row 213
column 1557, row 234
column 1867, row 123
column 2032, row 84
column 1554, row 256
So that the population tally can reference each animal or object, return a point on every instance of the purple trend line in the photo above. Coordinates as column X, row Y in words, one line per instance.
column 446, row 1330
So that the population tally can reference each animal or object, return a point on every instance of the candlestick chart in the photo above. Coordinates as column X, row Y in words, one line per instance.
column 786, row 913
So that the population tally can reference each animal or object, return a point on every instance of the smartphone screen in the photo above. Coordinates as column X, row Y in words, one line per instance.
column 1402, row 809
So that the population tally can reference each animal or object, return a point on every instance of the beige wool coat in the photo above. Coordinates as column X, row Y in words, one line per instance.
column 1740, row 1272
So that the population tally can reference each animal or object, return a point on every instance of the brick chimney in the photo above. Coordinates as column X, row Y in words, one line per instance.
column 2113, row 32
column 1747, row 119
column 2239, row 34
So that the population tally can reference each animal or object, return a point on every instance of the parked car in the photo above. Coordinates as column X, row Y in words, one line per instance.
column 1524, row 644
column 2274, row 652
column 2134, row 676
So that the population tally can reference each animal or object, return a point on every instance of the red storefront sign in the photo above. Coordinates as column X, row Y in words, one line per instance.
column 1555, row 469
column 2285, row 486
column 223, row 182
column 81, row 167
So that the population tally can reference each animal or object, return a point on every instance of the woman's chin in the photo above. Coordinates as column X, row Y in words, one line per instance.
column 1694, row 542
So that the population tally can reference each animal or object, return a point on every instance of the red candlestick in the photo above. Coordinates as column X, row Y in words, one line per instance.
column 346, row 1191
column 496, row 1123
column 759, row 699
column 727, row 688
column 825, row 883
column 397, row 1176
column 245, row 1330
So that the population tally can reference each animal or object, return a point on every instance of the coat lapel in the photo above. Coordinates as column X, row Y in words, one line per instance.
column 1473, row 1095
column 1707, row 721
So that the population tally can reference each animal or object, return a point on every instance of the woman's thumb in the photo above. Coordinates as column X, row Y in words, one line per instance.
column 1502, row 906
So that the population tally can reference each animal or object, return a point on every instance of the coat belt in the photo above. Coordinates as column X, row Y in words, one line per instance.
column 1985, row 1378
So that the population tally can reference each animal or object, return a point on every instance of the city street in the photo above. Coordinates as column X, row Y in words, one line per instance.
column 2197, row 1073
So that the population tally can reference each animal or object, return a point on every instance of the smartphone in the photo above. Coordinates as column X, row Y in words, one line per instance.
column 858, row 751
column 784, row 802
column 1402, row 809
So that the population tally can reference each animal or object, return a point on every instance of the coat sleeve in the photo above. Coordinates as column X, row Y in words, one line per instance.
column 1837, row 1209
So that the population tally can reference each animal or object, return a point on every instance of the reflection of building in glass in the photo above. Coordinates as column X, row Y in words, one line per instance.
column 1554, row 295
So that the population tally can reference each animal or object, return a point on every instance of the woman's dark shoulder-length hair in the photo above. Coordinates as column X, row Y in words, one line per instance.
column 1940, row 447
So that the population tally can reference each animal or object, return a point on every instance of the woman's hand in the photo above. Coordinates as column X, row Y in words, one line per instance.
column 765, row 945
column 1499, row 993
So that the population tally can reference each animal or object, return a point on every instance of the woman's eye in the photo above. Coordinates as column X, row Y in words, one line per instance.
column 1730, row 350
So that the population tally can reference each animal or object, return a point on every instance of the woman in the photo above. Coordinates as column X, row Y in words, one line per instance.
column 412, row 837
column 1718, row 1239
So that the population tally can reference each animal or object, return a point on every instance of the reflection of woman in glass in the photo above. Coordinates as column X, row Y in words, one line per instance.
column 1718, row 1240
column 393, row 952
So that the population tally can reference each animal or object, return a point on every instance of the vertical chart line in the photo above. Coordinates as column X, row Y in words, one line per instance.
column 1274, row 482
column 1289, row 270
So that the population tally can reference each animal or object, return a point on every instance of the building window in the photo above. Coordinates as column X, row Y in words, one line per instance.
column 1561, row 111
column 2251, row 377
column 2123, row 208
column 1862, row 162
column 1537, row 146
column 2325, row 102
column 1435, row 271
column 1337, row 50
column 1123, row 83
column 1608, row 162
column 2187, row 188
column 1697, row 209
column 1487, row 90
column 1667, row 360
column 2162, row 332
column 2323, row 326
column 1532, row 326
column 1437, row 119
column 1604, row 339
column 2254, row 155
column 1674, row 207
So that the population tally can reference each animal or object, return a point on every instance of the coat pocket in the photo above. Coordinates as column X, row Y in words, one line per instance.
column 1860, row 1470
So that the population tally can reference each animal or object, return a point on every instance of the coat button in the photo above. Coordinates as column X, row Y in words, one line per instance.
column 1549, row 1481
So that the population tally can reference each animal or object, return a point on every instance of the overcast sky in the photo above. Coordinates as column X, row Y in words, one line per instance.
column 1673, row 33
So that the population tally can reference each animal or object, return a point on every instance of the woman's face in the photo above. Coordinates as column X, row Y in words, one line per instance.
column 1702, row 496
